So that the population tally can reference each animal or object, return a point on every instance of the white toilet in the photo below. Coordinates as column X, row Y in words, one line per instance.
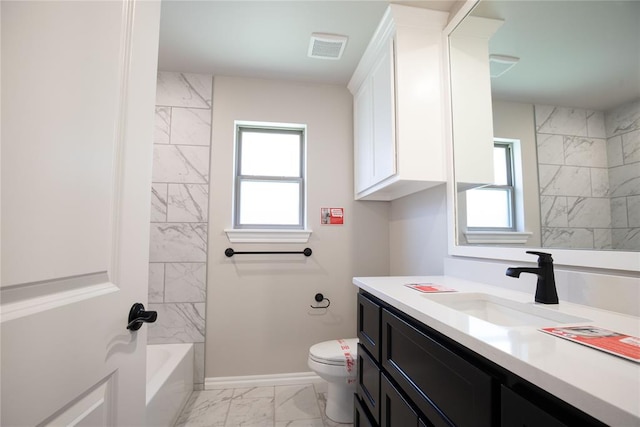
column 336, row 362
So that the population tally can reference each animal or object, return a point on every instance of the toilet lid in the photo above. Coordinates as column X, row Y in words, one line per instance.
column 335, row 352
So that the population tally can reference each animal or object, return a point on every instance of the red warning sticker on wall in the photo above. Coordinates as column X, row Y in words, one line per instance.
column 332, row 216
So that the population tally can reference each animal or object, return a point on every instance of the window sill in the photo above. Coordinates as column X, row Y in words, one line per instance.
column 497, row 237
column 268, row 236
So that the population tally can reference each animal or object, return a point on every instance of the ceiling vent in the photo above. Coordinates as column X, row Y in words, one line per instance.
column 326, row 46
column 500, row 64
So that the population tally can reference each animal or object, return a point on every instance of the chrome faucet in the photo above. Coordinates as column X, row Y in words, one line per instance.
column 546, row 286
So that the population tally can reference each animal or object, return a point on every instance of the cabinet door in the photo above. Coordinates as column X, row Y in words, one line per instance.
column 384, row 133
column 374, row 124
column 369, row 383
column 360, row 417
column 395, row 411
column 363, row 137
column 444, row 386
column 518, row 412
column 369, row 325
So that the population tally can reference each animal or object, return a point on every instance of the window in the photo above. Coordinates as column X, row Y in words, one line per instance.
column 493, row 207
column 269, row 177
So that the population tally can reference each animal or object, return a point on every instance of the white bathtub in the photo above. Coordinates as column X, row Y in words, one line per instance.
column 169, row 382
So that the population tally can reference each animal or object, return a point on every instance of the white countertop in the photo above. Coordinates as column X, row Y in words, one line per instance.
column 604, row 386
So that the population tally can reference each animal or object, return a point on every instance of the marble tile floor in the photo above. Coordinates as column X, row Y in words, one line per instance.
column 279, row 406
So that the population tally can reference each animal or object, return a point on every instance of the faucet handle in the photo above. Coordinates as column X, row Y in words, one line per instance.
column 542, row 256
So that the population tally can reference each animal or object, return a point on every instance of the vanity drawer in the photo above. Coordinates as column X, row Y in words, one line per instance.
column 445, row 387
column 395, row 411
column 369, row 383
column 516, row 411
column 369, row 325
column 360, row 416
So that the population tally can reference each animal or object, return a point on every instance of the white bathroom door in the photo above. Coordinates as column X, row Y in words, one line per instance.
column 78, row 95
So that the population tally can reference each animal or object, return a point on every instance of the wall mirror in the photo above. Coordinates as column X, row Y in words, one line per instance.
column 545, row 100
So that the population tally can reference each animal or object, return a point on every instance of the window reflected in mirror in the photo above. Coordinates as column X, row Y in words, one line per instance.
column 571, row 98
column 492, row 207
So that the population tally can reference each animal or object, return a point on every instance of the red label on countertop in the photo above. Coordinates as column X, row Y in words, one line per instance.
column 615, row 343
column 429, row 287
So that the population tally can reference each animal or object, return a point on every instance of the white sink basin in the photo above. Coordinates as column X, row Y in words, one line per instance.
column 503, row 312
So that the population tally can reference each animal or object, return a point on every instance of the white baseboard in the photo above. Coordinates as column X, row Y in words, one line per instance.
column 296, row 378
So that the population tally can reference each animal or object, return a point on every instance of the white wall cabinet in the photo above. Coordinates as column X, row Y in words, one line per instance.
column 374, row 125
column 398, row 90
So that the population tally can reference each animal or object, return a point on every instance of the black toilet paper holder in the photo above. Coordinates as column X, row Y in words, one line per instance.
column 319, row 298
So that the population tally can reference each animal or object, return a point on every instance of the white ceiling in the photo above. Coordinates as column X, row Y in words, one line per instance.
column 573, row 53
column 268, row 39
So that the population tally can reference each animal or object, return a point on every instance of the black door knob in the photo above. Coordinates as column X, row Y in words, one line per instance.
column 138, row 316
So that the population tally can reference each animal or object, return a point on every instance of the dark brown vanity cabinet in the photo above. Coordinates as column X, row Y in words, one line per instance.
column 445, row 387
column 395, row 409
column 369, row 325
column 368, row 388
column 519, row 412
column 405, row 377
column 360, row 417
column 411, row 375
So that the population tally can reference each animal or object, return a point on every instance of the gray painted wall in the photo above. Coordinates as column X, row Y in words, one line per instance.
column 258, row 316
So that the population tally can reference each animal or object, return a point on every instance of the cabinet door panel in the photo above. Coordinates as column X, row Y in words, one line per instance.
column 363, row 137
column 360, row 417
column 394, row 409
column 445, row 387
column 384, row 138
column 369, row 325
column 369, row 383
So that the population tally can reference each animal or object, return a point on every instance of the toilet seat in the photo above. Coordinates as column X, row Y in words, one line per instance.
column 334, row 352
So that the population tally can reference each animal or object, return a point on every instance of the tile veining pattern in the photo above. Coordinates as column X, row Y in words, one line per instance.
column 589, row 173
column 179, row 211
column 279, row 406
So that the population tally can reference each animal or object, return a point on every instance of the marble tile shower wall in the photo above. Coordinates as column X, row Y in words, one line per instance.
column 623, row 153
column 179, row 211
column 589, row 176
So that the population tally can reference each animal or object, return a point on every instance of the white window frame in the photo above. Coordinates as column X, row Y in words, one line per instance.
column 516, row 235
column 269, row 233
column 509, row 188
